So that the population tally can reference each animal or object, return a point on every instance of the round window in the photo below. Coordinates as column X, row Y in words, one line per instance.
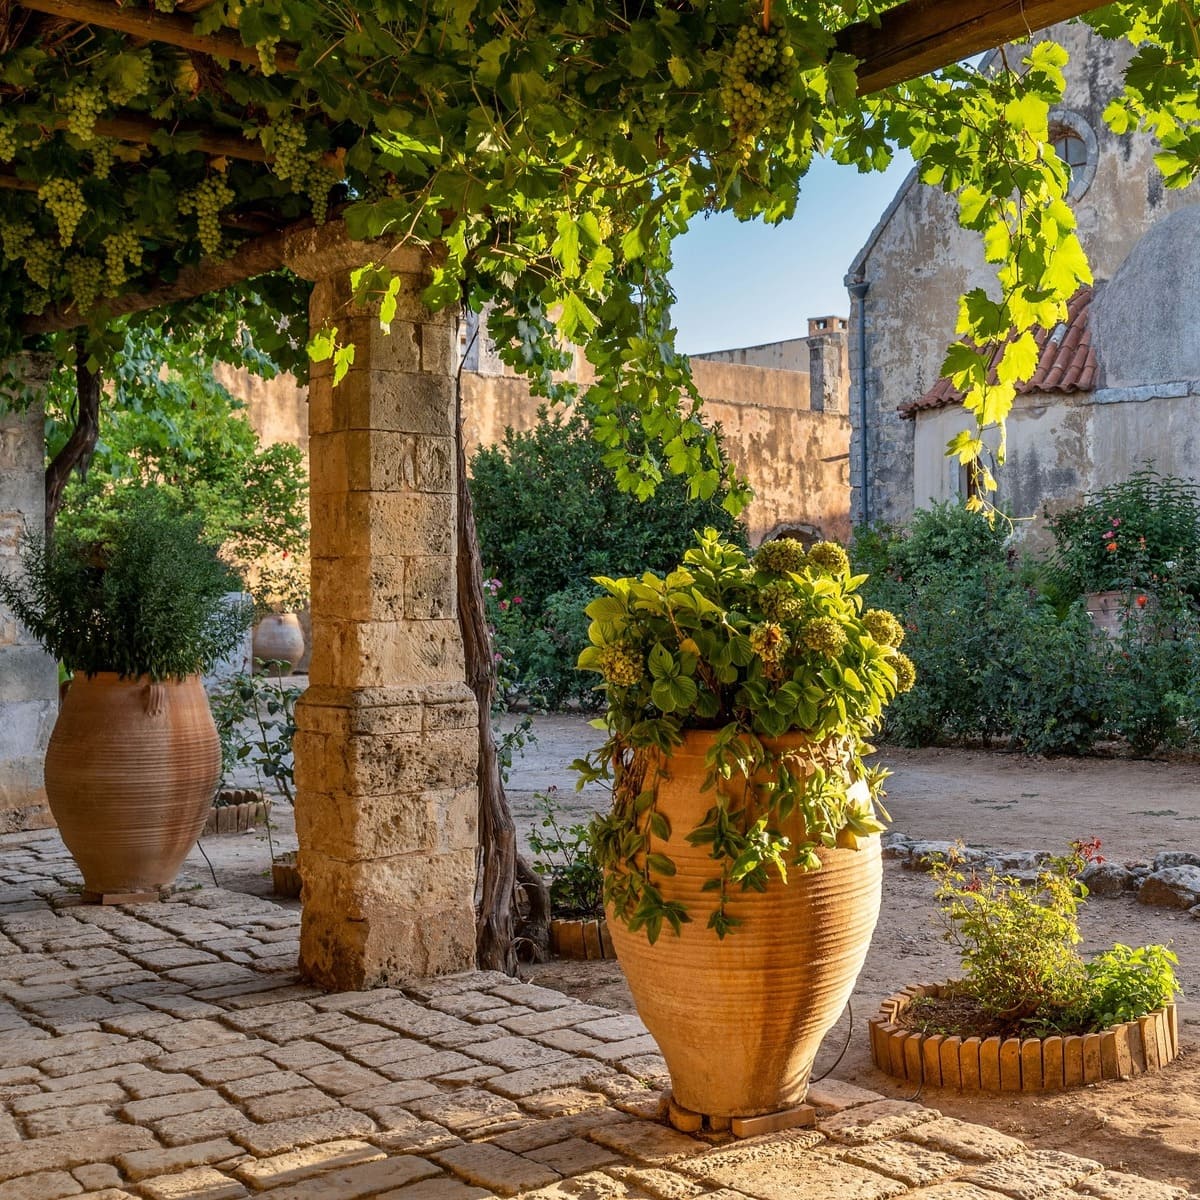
column 1074, row 142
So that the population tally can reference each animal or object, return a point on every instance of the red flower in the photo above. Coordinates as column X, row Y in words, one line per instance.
column 504, row 606
column 1111, row 547
column 1141, row 602
column 518, row 600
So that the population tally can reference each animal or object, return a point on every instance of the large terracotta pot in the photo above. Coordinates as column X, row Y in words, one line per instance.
column 130, row 773
column 740, row 1021
column 278, row 637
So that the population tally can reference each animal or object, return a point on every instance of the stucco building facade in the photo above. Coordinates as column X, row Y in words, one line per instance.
column 1117, row 382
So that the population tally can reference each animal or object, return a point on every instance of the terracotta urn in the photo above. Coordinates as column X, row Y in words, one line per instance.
column 278, row 637
column 739, row 1020
column 130, row 774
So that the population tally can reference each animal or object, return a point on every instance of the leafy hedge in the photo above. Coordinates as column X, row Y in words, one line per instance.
column 1001, row 656
column 550, row 517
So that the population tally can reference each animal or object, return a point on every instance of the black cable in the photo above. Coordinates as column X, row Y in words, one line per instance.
column 212, row 870
column 845, row 1047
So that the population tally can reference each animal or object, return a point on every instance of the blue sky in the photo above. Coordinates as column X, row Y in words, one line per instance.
column 740, row 284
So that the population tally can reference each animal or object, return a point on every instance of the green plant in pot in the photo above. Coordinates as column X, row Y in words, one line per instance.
column 741, row 856
column 135, row 608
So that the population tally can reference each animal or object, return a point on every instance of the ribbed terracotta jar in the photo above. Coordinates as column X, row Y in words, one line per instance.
column 130, row 774
column 740, row 1021
column 278, row 637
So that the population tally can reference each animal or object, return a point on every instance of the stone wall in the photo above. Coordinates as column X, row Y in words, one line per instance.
column 28, row 677
column 918, row 261
column 791, row 445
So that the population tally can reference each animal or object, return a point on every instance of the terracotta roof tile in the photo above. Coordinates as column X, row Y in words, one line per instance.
column 1066, row 363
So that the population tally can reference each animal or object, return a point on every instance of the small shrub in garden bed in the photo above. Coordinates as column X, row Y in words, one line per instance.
column 566, row 857
column 1022, row 973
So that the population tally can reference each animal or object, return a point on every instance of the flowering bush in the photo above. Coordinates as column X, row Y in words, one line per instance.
column 1132, row 535
column 752, row 649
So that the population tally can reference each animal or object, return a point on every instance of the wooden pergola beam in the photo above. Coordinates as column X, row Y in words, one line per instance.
column 251, row 258
column 925, row 35
column 171, row 28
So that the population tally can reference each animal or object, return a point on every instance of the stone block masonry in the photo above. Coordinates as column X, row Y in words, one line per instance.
column 386, row 748
column 28, row 679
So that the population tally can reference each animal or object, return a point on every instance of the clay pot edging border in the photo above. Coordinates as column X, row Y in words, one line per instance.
column 994, row 1064
column 585, row 939
column 251, row 810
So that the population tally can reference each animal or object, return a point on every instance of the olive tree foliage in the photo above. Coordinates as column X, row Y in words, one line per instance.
column 548, row 154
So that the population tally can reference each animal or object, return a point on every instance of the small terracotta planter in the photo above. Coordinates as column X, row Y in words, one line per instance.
column 582, row 939
column 285, row 875
column 238, row 812
column 1018, row 1064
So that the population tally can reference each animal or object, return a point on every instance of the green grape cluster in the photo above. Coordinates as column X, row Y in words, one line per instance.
column 165, row 5
column 288, row 157
column 102, row 159
column 266, row 54
column 206, row 200
column 133, row 82
column 14, row 236
column 41, row 262
column 321, row 180
column 121, row 249
column 84, row 102
column 756, row 82
column 64, row 199
column 9, row 142
column 87, row 279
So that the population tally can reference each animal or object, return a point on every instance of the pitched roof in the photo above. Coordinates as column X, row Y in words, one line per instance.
column 1066, row 362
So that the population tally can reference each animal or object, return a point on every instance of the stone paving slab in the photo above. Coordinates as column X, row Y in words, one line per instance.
column 169, row 1052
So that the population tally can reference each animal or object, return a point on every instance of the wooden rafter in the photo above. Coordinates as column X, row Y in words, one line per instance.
column 171, row 28
column 925, row 35
column 251, row 258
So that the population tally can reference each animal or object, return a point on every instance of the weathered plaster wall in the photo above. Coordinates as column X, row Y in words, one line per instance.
column 918, row 261
column 1061, row 448
column 28, row 677
column 794, row 458
column 789, row 355
column 277, row 409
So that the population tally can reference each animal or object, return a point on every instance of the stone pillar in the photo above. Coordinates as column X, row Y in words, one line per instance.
column 386, row 745
column 28, row 676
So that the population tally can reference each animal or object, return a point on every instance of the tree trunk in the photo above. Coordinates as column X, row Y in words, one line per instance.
column 77, row 453
column 496, row 880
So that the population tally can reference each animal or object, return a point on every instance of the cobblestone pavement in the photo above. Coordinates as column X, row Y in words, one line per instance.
column 167, row 1051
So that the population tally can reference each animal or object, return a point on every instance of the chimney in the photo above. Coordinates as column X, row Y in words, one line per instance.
column 828, row 373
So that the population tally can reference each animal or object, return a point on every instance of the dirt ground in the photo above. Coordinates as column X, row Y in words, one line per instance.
column 1151, row 1126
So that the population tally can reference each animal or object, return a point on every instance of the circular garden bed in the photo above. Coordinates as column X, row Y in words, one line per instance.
column 1017, row 1064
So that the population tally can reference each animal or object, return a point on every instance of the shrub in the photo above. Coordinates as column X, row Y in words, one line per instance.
column 566, row 857
column 1017, row 943
column 550, row 517
column 143, row 595
column 1131, row 535
column 1151, row 673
